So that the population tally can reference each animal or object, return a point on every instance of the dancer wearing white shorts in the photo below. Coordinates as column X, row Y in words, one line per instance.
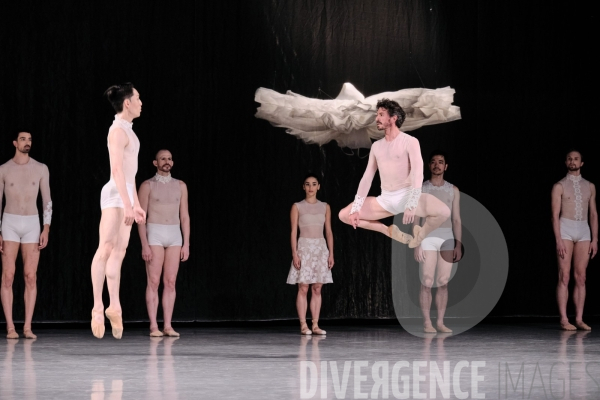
column 21, row 179
column 165, row 200
column 573, row 200
column 120, row 207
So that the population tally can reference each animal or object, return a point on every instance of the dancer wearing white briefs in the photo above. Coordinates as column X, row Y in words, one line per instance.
column 165, row 201
column 398, row 158
column 120, row 207
column 439, row 250
column 572, row 198
column 21, row 179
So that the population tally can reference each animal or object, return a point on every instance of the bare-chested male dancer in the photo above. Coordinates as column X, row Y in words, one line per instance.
column 21, row 178
column 165, row 200
column 441, row 247
column 120, row 207
column 572, row 197
column 398, row 158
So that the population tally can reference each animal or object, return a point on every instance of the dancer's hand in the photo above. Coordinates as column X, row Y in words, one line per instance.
column 561, row 250
column 593, row 249
column 185, row 252
column 146, row 253
column 296, row 261
column 409, row 216
column 457, row 252
column 330, row 261
column 140, row 215
column 44, row 239
column 419, row 254
column 354, row 219
column 128, row 216
column 1, row 242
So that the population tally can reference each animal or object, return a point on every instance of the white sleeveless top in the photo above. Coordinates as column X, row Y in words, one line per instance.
column 575, row 198
column 130, row 155
column 445, row 193
column 311, row 219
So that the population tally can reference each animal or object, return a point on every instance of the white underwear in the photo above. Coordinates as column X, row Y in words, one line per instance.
column 164, row 235
column 109, row 197
column 21, row 228
column 575, row 231
column 441, row 239
column 394, row 202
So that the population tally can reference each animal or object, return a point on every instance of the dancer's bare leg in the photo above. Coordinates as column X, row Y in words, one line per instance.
column 315, row 307
column 370, row 214
column 30, row 252
column 562, row 289
column 172, row 257
column 153, row 272
column 435, row 213
column 427, row 279
column 9, row 258
column 581, row 258
column 301, row 305
column 444, row 268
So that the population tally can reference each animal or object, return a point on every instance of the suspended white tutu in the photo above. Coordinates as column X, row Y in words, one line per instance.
column 349, row 119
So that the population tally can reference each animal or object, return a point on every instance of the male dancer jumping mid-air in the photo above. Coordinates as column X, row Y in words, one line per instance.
column 120, row 207
column 572, row 197
column 21, row 178
column 398, row 158
column 165, row 200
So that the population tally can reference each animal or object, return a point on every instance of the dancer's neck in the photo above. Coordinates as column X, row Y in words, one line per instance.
column 392, row 133
column 437, row 180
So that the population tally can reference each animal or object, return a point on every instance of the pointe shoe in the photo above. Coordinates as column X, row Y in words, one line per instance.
column 582, row 326
column 170, row 332
column 396, row 234
column 304, row 328
column 12, row 334
column 28, row 334
column 318, row 331
column 156, row 333
column 116, row 321
column 415, row 241
column 97, row 327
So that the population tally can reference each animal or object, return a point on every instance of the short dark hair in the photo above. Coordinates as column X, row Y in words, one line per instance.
column 438, row 152
column 22, row 131
column 393, row 109
column 576, row 151
column 117, row 94
column 312, row 175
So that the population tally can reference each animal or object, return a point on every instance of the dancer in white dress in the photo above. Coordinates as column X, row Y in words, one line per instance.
column 572, row 198
column 312, row 254
column 441, row 248
column 349, row 119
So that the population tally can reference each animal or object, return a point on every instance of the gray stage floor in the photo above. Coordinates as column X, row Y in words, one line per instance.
column 534, row 361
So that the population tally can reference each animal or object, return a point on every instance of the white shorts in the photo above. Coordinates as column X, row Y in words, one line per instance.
column 575, row 231
column 21, row 228
column 110, row 198
column 441, row 239
column 164, row 235
column 394, row 202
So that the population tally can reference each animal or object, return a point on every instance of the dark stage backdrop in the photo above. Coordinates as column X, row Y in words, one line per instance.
column 523, row 78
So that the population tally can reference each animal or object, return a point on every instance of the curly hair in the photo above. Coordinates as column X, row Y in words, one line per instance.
column 393, row 109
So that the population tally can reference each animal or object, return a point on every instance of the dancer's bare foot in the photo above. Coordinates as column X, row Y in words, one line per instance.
column 28, row 334
column 416, row 240
column 582, row 326
column 304, row 328
column 395, row 233
column 428, row 328
column 566, row 326
column 443, row 329
column 98, row 324
column 116, row 321
column 170, row 332
column 12, row 334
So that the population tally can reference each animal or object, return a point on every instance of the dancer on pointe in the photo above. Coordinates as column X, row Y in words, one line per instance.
column 398, row 157
column 21, row 178
column 120, row 207
column 572, row 197
column 441, row 247
column 312, row 255
column 165, row 201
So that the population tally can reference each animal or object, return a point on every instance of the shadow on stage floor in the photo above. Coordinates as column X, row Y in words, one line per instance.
column 499, row 358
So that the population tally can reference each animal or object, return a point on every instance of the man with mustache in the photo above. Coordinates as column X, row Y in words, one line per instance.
column 573, row 198
column 398, row 158
column 120, row 207
column 165, row 200
column 21, row 178
column 441, row 248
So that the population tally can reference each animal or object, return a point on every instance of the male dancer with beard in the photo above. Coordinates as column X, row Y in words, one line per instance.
column 441, row 247
column 398, row 158
column 120, row 207
column 572, row 198
column 165, row 200
column 21, row 178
